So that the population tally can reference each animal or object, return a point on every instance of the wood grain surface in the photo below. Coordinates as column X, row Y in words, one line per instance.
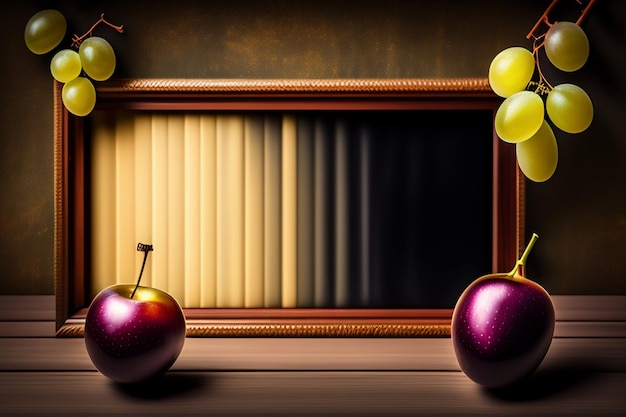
column 287, row 376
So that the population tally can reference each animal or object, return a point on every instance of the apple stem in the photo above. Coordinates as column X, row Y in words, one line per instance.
column 522, row 260
column 141, row 247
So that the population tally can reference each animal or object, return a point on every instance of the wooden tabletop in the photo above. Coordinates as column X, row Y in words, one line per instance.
column 297, row 376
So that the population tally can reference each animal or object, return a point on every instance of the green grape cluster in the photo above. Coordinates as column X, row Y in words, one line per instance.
column 522, row 117
column 94, row 61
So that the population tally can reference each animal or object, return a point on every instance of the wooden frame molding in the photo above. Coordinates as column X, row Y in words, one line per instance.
column 71, row 241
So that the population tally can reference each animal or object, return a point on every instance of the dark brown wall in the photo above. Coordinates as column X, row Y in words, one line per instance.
column 580, row 214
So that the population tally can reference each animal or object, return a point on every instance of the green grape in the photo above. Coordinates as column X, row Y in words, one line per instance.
column 44, row 31
column 65, row 65
column 511, row 70
column 570, row 108
column 98, row 58
column 538, row 156
column 567, row 46
column 79, row 96
column 519, row 116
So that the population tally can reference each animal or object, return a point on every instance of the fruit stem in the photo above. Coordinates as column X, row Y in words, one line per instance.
column 585, row 12
column 542, row 19
column 539, row 40
column 522, row 260
column 145, row 249
column 76, row 40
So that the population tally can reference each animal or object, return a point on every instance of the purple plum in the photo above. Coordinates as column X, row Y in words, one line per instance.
column 133, row 339
column 502, row 327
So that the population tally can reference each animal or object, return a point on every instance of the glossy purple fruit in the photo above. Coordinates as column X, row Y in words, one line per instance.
column 502, row 328
column 132, row 340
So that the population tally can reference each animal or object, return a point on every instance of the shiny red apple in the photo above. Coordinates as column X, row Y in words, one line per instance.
column 134, row 333
column 502, row 327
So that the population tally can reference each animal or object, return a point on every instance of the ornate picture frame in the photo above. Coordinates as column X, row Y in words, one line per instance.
column 71, row 209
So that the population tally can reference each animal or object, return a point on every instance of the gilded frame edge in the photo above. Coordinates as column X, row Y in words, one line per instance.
column 508, row 235
column 273, row 86
column 75, row 328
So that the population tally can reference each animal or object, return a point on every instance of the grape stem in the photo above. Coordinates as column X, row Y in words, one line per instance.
column 543, row 86
column 77, row 40
column 521, row 262
column 585, row 12
column 141, row 247
column 544, row 17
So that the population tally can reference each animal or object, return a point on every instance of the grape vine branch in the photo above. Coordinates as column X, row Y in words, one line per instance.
column 543, row 86
column 76, row 40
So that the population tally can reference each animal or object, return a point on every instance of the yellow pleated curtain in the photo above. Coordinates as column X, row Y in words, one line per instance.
column 235, row 205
